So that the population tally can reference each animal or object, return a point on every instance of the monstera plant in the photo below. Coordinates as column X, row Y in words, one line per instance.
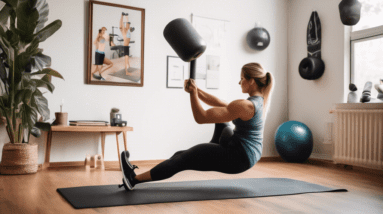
column 24, row 69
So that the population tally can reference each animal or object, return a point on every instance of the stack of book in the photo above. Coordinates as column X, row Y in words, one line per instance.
column 88, row 123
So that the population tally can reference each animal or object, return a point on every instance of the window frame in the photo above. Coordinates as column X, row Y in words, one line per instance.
column 362, row 36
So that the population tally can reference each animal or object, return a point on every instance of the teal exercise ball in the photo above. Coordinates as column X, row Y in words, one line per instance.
column 294, row 141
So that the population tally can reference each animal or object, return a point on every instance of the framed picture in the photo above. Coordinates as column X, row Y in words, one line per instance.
column 177, row 72
column 115, row 44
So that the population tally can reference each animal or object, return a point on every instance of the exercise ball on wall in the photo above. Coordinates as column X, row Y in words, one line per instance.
column 294, row 141
column 258, row 38
column 349, row 11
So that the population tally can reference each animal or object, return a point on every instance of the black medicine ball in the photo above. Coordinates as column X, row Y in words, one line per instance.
column 258, row 38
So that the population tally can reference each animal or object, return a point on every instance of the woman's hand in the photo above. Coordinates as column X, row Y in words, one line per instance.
column 190, row 86
column 185, row 86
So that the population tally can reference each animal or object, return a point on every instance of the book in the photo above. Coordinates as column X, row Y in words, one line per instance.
column 88, row 123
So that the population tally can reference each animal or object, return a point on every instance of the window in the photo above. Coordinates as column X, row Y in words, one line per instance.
column 367, row 46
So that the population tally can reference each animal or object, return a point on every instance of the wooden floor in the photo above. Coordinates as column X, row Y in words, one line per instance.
column 37, row 193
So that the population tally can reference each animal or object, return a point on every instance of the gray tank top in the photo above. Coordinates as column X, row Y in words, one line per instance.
column 250, row 133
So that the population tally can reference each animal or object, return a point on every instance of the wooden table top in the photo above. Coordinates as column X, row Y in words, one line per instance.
column 91, row 128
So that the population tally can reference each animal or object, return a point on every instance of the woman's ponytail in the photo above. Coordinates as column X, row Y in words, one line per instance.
column 264, row 80
column 267, row 92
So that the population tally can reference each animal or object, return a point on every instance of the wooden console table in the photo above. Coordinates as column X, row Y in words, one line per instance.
column 100, row 129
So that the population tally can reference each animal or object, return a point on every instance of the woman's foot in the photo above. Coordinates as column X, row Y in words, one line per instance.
column 128, row 179
column 97, row 76
column 127, row 72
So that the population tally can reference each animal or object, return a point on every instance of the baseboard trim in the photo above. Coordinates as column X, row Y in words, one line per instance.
column 271, row 159
column 321, row 156
column 108, row 164
column 311, row 161
column 115, row 165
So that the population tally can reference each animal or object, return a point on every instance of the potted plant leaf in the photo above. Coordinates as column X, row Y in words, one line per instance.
column 24, row 70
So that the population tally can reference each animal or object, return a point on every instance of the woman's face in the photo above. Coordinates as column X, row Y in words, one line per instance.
column 244, row 83
column 103, row 31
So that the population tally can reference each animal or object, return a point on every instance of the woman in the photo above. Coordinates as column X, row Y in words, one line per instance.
column 100, row 58
column 234, row 154
column 125, row 31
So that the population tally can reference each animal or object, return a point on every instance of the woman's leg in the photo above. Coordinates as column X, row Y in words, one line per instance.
column 126, row 43
column 126, row 55
column 145, row 177
column 97, row 62
column 203, row 157
column 95, row 71
column 222, row 136
column 127, row 65
column 123, row 32
column 109, row 64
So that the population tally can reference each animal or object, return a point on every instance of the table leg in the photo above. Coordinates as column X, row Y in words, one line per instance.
column 47, row 150
column 103, row 144
column 118, row 151
column 124, row 134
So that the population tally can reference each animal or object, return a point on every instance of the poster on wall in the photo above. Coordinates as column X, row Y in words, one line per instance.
column 213, row 31
column 115, row 44
column 177, row 72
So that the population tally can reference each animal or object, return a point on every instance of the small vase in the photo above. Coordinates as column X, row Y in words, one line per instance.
column 350, row 12
column 19, row 158
column 352, row 97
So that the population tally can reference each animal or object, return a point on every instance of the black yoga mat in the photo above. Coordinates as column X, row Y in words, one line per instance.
column 147, row 193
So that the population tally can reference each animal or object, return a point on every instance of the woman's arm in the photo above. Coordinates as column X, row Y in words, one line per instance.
column 105, row 36
column 96, row 40
column 96, row 43
column 122, row 24
column 211, row 100
column 214, row 115
column 127, row 24
column 207, row 98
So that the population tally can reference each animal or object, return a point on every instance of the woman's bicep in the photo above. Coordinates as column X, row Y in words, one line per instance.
column 223, row 114
column 217, row 115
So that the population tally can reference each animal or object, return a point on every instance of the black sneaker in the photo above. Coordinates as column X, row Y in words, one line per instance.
column 128, row 180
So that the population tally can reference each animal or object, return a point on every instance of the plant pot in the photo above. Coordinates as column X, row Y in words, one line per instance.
column 20, row 158
column 61, row 119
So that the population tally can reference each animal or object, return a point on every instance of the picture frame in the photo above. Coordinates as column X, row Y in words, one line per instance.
column 177, row 72
column 115, row 44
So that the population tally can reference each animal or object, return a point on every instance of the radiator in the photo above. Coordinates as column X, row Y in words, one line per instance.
column 359, row 137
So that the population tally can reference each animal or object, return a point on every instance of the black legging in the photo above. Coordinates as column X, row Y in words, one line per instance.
column 222, row 156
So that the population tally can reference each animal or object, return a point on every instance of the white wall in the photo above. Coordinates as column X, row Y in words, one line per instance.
column 162, row 119
column 310, row 101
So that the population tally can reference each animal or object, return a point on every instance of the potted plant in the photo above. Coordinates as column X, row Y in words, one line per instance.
column 23, row 71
